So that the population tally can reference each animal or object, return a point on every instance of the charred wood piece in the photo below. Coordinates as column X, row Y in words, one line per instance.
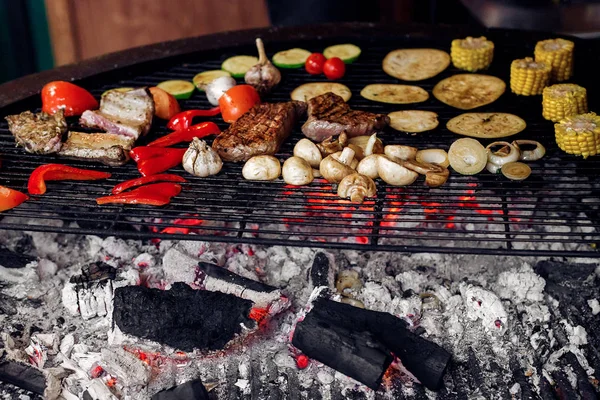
column 23, row 376
column 190, row 390
column 321, row 273
column 11, row 259
column 181, row 317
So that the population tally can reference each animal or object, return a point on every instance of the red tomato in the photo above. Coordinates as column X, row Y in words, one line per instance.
column 334, row 68
column 73, row 98
column 165, row 105
column 314, row 63
column 237, row 101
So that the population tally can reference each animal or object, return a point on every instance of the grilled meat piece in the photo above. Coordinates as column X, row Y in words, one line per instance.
column 122, row 113
column 330, row 115
column 107, row 148
column 38, row 133
column 260, row 131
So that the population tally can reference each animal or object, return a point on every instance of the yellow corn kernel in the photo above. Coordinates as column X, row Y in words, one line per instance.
column 579, row 134
column 563, row 100
column 528, row 77
column 472, row 54
column 558, row 53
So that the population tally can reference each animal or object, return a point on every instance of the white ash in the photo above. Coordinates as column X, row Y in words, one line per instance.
column 594, row 305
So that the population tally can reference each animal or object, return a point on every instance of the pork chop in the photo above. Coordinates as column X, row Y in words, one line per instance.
column 260, row 131
column 38, row 133
column 329, row 115
column 106, row 148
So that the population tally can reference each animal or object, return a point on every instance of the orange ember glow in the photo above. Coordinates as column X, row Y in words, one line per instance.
column 258, row 314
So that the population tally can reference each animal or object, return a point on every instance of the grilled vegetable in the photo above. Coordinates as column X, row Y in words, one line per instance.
column 415, row 64
column 435, row 175
column 394, row 173
column 472, row 54
column 165, row 105
column 264, row 76
column 433, row 156
column 169, row 158
column 368, row 166
column 334, row 169
column 58, row 172
column 313, row 89
column 563, row 100
column 334, row 68
column 184, row 119
column 394, row 94
column 529, row 77
column 10, row 198
column 486, row 125
column 157, row 194
column 348, row 53
column 365, row 145
column 400, row 152
column 467, row 156
column 468, row 91
column 123, row 186
column 177, row 88
column 292, row 58
column 413, row 120
column 201, row 160
column 262, row 168
column 237, row 66
column 204, row 78
column 356, row 187
column 579, row 134
column 120, row 89
column 558, row 54
column 516, row 171
column 200, row 131
column 309, row 152
column 237, row 101
column 296, row 171
column 74, row 99
column 142, row 153
column 215, row 89
column 529, row 155
column 314, row 63
column 496, row 159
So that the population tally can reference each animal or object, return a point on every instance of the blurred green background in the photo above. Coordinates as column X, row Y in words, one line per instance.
column 24, row 38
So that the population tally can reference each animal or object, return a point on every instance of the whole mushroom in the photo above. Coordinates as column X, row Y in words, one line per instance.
column 296, row 171
column 368, row 166
column 308, row 151
column 400, row 152
column 262, row 168
column 334, row 169
column 333, row 144
column 356, row 187
column 393, row 173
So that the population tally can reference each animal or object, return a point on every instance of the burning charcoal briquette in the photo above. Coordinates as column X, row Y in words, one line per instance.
column 190, row 390
column 181, row 317
column 23, row 376
column 321, row 273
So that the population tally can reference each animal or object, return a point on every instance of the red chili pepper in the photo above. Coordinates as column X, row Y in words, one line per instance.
column 186, row 135
column 142, row 153
column 10, row 198
column 156, row 194
column 183, row 120
column 156, row 165
column 121, row 187
column 59, row 172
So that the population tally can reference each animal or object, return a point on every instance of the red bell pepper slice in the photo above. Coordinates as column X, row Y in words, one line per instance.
column 156, row 194
column 187, row 135
column 10, row 198
column 156, row 165
column 59, row 172
column 142, row 153
column 121, row 187
column 183, row 120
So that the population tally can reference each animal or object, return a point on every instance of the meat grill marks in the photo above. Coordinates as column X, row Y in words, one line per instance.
column 107, row 148
column 261, row 130
column 329, row 115
column 38, row 133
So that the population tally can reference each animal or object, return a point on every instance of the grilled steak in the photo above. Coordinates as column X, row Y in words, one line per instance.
column 260, row 131
column 330, row 115
column 107, row 148
column 38, row 133
column 122, row 113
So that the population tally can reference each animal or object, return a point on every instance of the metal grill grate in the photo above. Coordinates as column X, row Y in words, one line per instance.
column 554, row 212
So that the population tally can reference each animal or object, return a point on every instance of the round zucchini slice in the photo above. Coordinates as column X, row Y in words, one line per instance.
column 347, row 52
column 237, row 66
column 292, row 58
column 204, row 78
column 309, row 90
column 179, row 89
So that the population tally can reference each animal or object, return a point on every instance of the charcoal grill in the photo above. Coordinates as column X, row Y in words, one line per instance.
column 554, row 212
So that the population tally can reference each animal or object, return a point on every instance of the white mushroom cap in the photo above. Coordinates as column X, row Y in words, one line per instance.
column 393, row 173
column 296, row 171
column 262, row 168
column 308, row 151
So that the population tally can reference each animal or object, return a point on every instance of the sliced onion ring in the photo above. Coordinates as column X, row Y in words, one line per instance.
column 517, row 171
column 530, row 155
column 501, row 156
column 433, row 156
column 467, row 156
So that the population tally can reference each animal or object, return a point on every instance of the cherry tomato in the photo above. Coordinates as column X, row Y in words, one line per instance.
column 334, row 68
column 237, row 101
column 73, row 98
column 314, row 63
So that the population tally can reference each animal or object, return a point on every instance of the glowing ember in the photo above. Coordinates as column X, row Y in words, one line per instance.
column 302, row 361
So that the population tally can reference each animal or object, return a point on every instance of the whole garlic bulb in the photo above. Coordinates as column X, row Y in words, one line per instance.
column 201, row 160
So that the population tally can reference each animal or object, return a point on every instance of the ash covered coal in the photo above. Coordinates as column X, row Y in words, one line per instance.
column 181, row 317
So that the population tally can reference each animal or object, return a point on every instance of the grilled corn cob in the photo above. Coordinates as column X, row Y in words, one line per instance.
column 528, row 77
column 563, row 100
column 472, row 54
column 558, row 53
column 579, row 134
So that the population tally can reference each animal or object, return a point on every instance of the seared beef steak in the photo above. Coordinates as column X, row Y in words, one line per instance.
column 38, row 133
column 329, row 115
column 260, row 131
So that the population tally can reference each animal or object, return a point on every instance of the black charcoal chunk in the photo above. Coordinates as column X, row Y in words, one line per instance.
column 190, row 390
column 319, row 272
column 11, row 259
column 181, row 317
column 565, row 274
column 23, row 376
column 223, row 274
column 356, row 354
